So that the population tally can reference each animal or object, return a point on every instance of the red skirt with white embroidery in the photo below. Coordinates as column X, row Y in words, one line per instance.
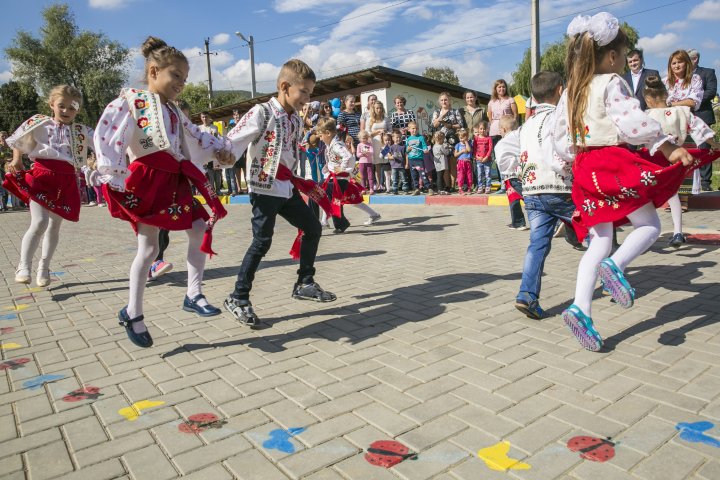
column 50, row 183
column 611, row 182
column 158, row 192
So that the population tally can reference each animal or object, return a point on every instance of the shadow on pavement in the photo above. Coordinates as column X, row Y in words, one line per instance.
column 386, row 310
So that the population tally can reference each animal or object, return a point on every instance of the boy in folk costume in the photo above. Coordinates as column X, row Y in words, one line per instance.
column 166, row 154
column 272, row 132
column 59, row 147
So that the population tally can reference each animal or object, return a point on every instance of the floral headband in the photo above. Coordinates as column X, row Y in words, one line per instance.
column 602, row 27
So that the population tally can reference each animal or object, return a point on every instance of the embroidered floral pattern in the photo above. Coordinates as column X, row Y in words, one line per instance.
column 140, row 103
column 143, row 123
column 174, row 211
column 648, row 178
column 131, row 201
column 628, row 193
column 589, row 207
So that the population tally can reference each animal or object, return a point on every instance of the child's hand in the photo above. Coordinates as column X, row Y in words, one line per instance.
column 15, row 166
column 679, row 154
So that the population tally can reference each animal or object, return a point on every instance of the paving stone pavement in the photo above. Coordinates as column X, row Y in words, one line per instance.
column 423, row 346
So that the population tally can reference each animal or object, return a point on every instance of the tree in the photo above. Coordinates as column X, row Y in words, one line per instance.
column 445, row 74
column 196, row 95
column 65, row 55
column 553, row 59
column 18, row 101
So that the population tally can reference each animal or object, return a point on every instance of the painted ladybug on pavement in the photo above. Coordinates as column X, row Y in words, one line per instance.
column 200, row 422
column 592, row 448
column 15, row 364
column 388, row 453
column 84, row 393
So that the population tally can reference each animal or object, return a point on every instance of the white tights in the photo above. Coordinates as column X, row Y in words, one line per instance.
column 148, row 248
column 42, row 221
column 676, row 213
column 646, row 229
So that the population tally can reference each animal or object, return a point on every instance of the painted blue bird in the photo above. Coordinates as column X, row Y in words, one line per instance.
column 280, row 439
column 693, row 432
column 37, row 382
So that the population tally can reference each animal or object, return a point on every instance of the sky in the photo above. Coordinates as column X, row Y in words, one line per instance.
column 480, row 40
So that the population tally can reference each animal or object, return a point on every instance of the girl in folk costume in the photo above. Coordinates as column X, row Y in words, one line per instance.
column 166, row 153
column 339, row 185
column 678, row 122
column 596, row 118
column 59, row 147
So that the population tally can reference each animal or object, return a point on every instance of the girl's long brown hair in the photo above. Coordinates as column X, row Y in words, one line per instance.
column 583, row 55
column 683, row 56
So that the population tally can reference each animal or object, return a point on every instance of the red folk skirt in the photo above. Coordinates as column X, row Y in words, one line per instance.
column 50, row 183
column 158, row 192
column 611, row 182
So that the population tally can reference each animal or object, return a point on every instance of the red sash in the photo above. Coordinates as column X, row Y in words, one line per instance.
column 512, row 194
column 313, row 191
column 351, row 195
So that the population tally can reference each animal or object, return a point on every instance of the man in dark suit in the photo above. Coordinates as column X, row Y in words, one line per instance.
column 637, row 75
column 705, row 111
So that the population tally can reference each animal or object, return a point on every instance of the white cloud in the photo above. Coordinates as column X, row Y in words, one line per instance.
column 708, row 10
column 108, row 4
column 660, row 44
column 677, row 25
column 710, row 45
column 221, row 39
column 471, row 69
column 5, row 76
column 420, row 11
column 320, row 6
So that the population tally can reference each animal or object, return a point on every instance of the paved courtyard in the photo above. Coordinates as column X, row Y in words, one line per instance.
column 423, row 347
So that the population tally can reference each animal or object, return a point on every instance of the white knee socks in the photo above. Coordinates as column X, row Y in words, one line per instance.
column 42, row 221
column 195, row 260
column 148, row 248
column 676, row 212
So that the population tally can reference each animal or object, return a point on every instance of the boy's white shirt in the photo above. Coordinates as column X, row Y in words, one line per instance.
column 507, row 153
column 247, row 130
column 338, row 158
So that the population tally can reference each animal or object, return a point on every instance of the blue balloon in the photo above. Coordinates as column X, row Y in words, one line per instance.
column 335, row 103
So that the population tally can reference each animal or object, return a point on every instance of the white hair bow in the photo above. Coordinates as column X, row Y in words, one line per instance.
column 602, row 27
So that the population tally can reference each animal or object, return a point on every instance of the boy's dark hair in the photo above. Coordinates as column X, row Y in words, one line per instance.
column 635, row 51
column 183, row 105
column 294, row 71
column 205, row 112
column 544, row 85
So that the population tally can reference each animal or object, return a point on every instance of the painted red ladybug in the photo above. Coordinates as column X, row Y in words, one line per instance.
column 200, row 422
column 84, row 393
column 388, row 453
column 593, row 448
column 5, row 330
column 14, row 364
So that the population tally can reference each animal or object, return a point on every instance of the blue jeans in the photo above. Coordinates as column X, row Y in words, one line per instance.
column 417, row 173
column 483, row 174
column 231, row 180
column 399, row 181
column 544, row 211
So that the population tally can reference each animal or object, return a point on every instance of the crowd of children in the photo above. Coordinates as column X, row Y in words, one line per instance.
column 570, row 161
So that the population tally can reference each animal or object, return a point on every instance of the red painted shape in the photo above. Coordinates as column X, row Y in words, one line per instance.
column 456, row 200
column 388, row 453
column 4, row 330
column 14, row 364
column 200, row 422
column 592, row 448
column 704, row 238
column 84, row 393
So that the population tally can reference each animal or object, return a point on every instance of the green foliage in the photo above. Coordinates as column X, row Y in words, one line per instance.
column 553, row 59
column 445, row 74
column 18, row 101
column 65, row 55
column 196, row 95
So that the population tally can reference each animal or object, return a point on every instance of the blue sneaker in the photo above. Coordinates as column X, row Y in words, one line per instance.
column 530, row 308
column 582, row 328
column 614, row 280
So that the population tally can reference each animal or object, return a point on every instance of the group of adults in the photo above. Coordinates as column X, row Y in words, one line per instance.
column 687, row 83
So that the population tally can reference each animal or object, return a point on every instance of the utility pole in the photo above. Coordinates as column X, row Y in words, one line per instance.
column 251, row 43
column 534, row 38
column 207, row 57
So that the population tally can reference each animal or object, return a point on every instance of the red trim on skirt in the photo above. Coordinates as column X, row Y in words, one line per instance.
column 50, row 183
column 158, row 192
column 611, row 182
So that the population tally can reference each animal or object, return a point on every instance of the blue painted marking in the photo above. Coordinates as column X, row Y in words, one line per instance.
column 37, row 382
column 8, row 316
column 240, row 200
column 57, row 274
column 396, row 200
column 280, row 439
column 693, row 432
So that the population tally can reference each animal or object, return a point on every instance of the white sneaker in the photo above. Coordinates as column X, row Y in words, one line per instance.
column 43, row 274
column 22, row 275
column 102, row 204
column 372, row 220
column 91, row 204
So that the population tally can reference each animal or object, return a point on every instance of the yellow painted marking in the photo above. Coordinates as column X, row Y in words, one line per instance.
column 496, row 458
column 132, row 412
column 9, row 346
column 35, row 289
column 88, row 259
column 17, row 308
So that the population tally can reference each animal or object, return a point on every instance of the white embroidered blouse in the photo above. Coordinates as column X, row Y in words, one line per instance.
column 693, row 92
column 50, row 140
column 339, row 159
column 631, row 124
column 116, row 130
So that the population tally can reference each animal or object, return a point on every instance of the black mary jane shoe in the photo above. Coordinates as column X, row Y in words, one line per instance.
column 204, row 311
column 143, row 340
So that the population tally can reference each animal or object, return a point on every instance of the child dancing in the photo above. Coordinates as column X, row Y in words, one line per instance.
column 59, row 148
column 167, row 153
column 596, row 117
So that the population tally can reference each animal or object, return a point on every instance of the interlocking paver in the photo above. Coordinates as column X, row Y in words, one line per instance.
column 425, row 348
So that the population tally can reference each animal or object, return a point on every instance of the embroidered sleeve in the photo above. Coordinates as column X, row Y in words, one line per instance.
column 111, row 138
column 563, row 149
column 696, row 91
column 507, row 153
column 698, row 129
column 341, row 158
column 246, row 130
column 21, row 139
column 202, row 145
column 633, row 126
